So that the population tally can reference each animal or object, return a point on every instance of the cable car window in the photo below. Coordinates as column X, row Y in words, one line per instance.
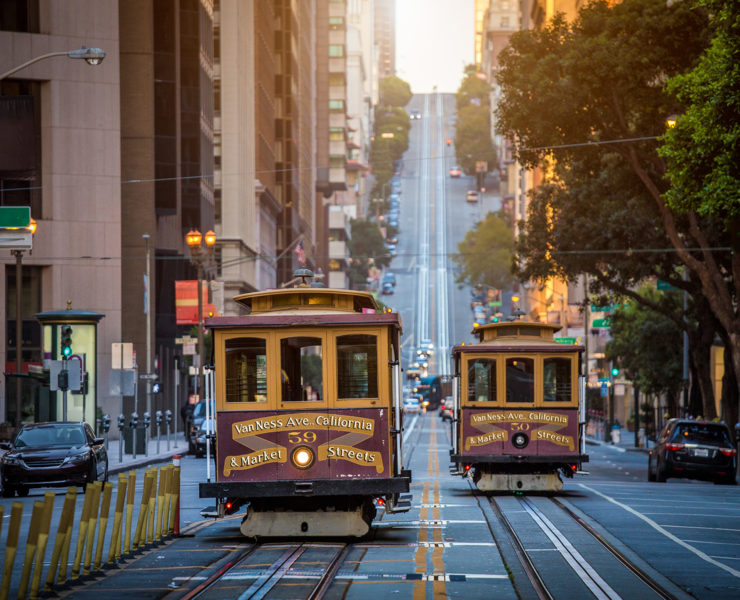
column 246, row 370
column 357, row 366
column 301, row 364
column 482, row 380
column 557, row 379
column 520, row 380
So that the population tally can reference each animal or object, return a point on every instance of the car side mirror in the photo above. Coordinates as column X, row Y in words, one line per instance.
column 4, row 445
column 98, row 441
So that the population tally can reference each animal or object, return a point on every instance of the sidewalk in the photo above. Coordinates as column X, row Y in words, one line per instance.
column 178, row 446
column 626, row 442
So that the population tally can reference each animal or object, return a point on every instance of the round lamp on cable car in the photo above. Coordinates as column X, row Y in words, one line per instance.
column 302, row 457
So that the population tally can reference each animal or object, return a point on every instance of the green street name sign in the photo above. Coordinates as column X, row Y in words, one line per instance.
column 664, row 285
column 14, row 216
column 570, row 341
column 602, row 323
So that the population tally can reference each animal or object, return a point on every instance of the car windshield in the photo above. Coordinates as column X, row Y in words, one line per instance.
column 199, row 410
column 65, row 436
column 701, row 433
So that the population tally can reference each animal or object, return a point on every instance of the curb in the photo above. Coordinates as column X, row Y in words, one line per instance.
column 144, row 461
column 595, row 442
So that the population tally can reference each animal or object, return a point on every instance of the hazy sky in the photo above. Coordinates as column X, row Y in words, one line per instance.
column 434, row 41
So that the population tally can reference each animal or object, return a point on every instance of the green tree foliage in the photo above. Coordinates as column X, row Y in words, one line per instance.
column 394, row 91
column 647, row 346
column 703, row 150
column 576, row 97
column 366, row 248
column 473, row 130
column 485, row 254
column 385, row 151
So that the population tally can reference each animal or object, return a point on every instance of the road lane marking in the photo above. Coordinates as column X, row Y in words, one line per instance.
column 668, row 534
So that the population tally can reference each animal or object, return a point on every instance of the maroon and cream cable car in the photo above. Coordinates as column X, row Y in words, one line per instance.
column 308, row 412
column 519, row 407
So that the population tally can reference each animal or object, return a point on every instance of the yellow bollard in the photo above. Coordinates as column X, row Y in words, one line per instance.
column 140, row 533
column 31, row 542
column 11, row 547
column 65, row 521
column 104, row 512
column 129, row 511
column 151, row 514
column 41, row 545
column 92, row 523
column 64, row 558
column 82, row 534
column 114, row 552
column 167, row 502
column 160, row 503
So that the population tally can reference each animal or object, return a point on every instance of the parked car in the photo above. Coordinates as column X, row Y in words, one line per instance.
column 387, row 289
column 196, row 421
column 445, row 408
column 411, row 405
column 415, row 114
column 455, row 171
column 693, row 449
column 200, row 438
column 52, row 455
column 425, row 349
column 472, row 196
column 413, row 371
column 393, row 222
column 389, row 277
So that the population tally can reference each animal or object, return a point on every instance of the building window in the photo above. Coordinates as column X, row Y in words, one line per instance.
column 336, row 105
column 336, row 23
column 504, row 21
column 20, row 152
column 336, row 51
column 336, row 134
column 19, row 15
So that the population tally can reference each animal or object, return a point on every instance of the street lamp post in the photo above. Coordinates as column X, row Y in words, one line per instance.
column 19, row 327
column 198, row 256
column 93, row 56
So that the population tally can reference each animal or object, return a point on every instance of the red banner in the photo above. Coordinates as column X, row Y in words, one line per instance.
column 186, row 302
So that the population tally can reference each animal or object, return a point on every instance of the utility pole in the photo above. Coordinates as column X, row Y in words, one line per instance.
column 148, row 312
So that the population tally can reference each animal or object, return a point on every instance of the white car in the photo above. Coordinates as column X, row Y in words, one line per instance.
column 411, row 405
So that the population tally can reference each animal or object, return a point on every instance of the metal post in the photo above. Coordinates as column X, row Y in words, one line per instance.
column 637, row 416
column 207, row 393
column 121, row 435
column 685, row 350
column 64, row 391
column 134, row 425
column 168, row 420
column 175, row 400
column 147, row 424
column 18, row 334
column 158, row 422
column 201, row 352
column 148, row 311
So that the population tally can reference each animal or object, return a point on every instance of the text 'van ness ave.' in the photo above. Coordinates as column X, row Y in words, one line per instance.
column 519, row 416
column 292, row 422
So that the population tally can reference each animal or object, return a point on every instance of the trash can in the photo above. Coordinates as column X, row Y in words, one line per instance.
column 140, row 440
column 616, row 434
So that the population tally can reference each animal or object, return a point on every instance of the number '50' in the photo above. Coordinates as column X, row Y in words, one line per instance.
column 296, row 437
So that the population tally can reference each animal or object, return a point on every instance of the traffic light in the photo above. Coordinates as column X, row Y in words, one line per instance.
column 615, row 371
column 66, row 341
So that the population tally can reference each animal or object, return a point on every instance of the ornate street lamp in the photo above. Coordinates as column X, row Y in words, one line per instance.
column 198, row 255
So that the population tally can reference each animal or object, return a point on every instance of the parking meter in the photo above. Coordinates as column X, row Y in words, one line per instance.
column 134, row 423
column 121, row 425
column 147, row 420
column 168, row 418
column 147, row 423
column 121, row 421
column 158, row 421
column 106, row 423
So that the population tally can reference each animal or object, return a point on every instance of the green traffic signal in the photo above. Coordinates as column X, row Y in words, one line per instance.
column 615, row 371
column 66, row 341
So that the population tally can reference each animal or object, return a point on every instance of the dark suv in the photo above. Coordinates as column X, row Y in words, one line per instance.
column 693, row 449
column 52, row 454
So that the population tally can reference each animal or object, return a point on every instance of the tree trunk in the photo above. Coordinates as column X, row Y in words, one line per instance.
column 695, row 402
column 729, row 392
column 700, row 350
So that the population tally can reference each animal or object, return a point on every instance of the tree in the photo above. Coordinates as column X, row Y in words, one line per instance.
column 647, row 347
column 473, row 141
column 591, row 94
column 366, row 248
column 702, row 151
column 394, row 91
column 485, row 254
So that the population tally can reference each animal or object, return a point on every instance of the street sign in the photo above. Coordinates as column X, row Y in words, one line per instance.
column 16, row 239
column 602, row 323
column 122, row 382
column 665, row 286
column 604, row 390
column 185, row 340
column 151, row 376
column 122, row 355
column 571, row 341
column 15, row 216
column 74, row 374
column 188, row 348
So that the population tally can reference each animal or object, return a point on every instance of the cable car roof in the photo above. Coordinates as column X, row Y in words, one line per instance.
column 525, row 336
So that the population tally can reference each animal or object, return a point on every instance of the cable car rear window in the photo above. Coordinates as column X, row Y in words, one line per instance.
column 520, row 380
column 357, row 366
column 557, row 379
column 482, row 380
column 301, row 374
column 246, row 370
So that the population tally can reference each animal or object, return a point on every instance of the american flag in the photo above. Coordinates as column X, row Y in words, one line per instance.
column 300, row 254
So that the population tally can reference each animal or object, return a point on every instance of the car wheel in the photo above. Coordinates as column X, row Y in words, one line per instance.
column 651, row 475
column 22, row 491
column 8, row 492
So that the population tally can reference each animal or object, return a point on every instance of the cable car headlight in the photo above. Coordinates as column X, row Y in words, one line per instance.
column 520, row 440
column 302, row 457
